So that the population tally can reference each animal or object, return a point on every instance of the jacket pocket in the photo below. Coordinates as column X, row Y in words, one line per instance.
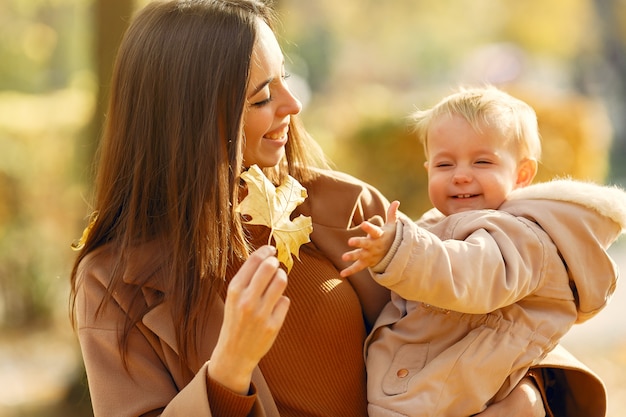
column 407, row 362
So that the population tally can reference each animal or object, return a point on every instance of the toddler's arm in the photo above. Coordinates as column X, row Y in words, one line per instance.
column 372, row 248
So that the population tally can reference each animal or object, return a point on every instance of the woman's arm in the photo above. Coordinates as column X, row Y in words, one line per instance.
column 338, row 203
column 524, row 401
column 568, row 387
column 153, row 382
column 560, row 386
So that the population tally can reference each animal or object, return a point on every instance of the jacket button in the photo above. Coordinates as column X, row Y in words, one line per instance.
column 402, row 373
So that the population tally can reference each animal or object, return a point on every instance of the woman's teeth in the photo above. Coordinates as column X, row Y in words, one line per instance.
column 276, row 135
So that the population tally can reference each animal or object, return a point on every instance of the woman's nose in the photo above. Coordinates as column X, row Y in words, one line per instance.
column 290, row 104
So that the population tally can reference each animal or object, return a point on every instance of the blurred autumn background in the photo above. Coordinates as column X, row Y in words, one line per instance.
column 360, row 67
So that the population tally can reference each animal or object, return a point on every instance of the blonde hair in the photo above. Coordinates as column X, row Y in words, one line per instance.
column 513, row 118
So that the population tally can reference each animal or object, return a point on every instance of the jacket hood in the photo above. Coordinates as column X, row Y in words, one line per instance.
column 583, row 219
column 608, row 201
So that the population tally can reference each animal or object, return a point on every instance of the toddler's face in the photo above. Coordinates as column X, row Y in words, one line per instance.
column 468, row 169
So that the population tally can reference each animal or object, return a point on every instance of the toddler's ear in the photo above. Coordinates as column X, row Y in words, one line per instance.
column 426, row 166
column 526, row 172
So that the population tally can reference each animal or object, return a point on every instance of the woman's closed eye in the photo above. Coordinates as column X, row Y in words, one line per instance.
column 264, row 101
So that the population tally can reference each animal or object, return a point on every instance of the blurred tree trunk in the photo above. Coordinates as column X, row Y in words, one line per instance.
column 613, row 40
column 111, row 18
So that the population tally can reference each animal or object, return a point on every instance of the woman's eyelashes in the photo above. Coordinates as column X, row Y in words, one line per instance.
column 267, row 100
column 262, row 102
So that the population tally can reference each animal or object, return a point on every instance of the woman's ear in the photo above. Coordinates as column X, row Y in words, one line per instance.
column 526, row 171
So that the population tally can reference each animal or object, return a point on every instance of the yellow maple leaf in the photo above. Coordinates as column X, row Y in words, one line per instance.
column 272, row 207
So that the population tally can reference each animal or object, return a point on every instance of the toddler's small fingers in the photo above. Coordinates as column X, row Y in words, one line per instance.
column 359, row 242
column 352, row 269
column 351, row 255
column 392, row 212
column 372, row 230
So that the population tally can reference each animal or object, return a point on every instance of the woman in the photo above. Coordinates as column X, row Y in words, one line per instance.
column 173, row 316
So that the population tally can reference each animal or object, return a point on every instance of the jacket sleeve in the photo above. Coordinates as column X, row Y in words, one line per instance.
column 148, row 387
column 474, row 262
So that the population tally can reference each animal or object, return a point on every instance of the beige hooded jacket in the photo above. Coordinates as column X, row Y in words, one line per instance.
column 479, row 296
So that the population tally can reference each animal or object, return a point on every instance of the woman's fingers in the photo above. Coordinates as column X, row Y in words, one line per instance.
column 259, row 284
column 272, row 293
column 246, row 272
column 254, row 312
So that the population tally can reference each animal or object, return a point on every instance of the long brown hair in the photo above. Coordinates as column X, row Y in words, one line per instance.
column 171, row 153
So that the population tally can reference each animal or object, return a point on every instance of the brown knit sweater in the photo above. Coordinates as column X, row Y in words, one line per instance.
column 315, row 367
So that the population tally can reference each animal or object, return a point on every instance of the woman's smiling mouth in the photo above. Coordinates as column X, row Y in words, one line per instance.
column 277, row 134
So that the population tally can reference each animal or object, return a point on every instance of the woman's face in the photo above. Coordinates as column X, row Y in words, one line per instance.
column 269, row 103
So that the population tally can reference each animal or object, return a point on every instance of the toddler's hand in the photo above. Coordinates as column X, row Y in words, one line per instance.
column 372, row 248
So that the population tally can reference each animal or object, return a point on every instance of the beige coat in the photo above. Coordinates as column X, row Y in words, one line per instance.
column 497, row 288
column 156, row 384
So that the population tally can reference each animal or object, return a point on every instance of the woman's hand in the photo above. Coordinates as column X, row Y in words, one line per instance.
column 255, row 309
column 524, row 401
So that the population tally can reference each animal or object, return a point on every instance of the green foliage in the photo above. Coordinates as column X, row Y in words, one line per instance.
column 568, row 57
column 40, row 205
column 42, row 43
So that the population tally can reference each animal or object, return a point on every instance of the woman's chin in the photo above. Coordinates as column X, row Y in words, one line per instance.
column 265, row 162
